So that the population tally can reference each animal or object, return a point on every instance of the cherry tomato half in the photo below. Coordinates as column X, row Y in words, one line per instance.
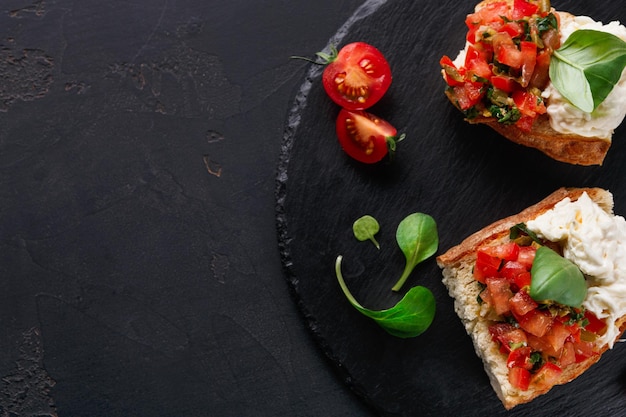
column 365, row 137
column 357, row 77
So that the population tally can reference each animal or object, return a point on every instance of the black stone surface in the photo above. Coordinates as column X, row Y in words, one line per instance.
column 464, row 176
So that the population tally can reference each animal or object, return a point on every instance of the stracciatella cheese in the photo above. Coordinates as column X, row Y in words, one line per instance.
column 568, row 119
column 594, row 240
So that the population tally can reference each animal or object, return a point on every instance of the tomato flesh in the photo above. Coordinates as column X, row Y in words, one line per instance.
column 358, row 77
column 364, row 136
column 537, row 343
column 509, row 45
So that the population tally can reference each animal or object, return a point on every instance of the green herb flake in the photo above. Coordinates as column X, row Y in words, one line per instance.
column 587, row 67
column 365, row 228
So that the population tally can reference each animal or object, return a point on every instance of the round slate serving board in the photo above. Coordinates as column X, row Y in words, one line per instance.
column 464, row 176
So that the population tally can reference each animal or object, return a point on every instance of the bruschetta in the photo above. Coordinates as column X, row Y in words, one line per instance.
column 541, row 293
column 501, row 78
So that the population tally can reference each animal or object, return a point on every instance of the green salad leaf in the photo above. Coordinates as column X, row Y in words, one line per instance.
column 418, row 239
column 365, row 228
column 556, row 279
column 410, row 317
column 587, row 66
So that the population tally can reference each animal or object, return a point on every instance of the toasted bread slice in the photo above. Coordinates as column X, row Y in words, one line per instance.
column 457, row 268
column 569, row 148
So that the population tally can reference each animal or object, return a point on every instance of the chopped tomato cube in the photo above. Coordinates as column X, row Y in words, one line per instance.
column 546, row 376
column 453, row 75
column 504, row 83
column 513, row 28
column 519, row 378
column 584, row 350
column 526, row 256
column 535, row 322
column 520, row 358
column 568, row 355
column 525, row 123
column 523, row 8
column 511, row 269
column 486, row 266
column 541, row 77
column 528, row 103
column 509, row 336
column 506, row 251
column 468, row 94
column 556, row 335
column 500, row 292
column 506, row 51
column 523, row 280
column 521, row 303
column 595, row 324
column 539, row 344
column 529, row 59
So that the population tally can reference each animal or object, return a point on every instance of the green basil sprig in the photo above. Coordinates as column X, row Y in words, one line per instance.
column 556, row 279
column 410, row 317
column 587, row 66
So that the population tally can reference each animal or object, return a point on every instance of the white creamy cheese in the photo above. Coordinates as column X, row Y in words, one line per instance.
column 593, row 240
column 566, row 118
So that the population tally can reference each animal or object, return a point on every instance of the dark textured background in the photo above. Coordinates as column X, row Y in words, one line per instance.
column 140, row 270
column 139, row 267
column 465, row 177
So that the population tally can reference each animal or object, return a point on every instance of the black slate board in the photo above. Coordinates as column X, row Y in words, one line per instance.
column 464, row 176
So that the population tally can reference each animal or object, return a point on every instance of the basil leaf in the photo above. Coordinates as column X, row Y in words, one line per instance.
column 555, row 278
column 418, row 239
column 587, row 66
column 365, row 228
column 410, row 317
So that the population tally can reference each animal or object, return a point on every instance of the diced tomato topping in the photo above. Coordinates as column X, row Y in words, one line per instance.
column 584, row 350
column 526, row 256
column 513, row 28
column 595, row 324
column 500, row 293
column 522, row 8
column 556, row 335
column 520, row 358
column 504, row 83
column 529, row 59
column 453, row 75
column 486, row 266
column 522, row 303
column 568, row 355
column 523, row 280
column 525, row 123
column 491, row 13
column 528, row 103
column 520, row 378
column 540, row 345
column 507, row 251
column 509, row 336
column 546, row 376
column 468, row 94
column 512, row 269
column 505, row 50
column 535, row 322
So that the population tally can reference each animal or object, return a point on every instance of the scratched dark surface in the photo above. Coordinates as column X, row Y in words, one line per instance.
column 139, row 268
column 464, row 176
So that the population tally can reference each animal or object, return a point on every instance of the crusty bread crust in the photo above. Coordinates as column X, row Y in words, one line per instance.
column 457, row 266
column 569, row 148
